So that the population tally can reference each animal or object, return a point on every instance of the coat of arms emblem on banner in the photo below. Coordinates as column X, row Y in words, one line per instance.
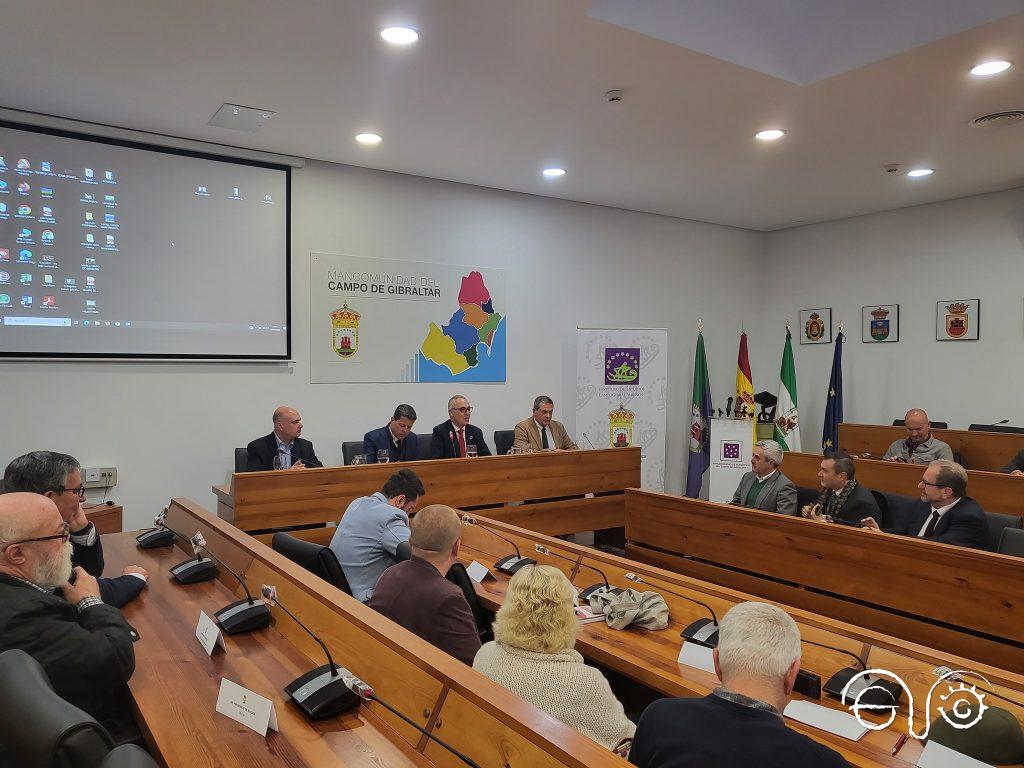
column 620, row 427
column 345, row 322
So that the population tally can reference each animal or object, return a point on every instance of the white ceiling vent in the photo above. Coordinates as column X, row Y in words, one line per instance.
column 1010, row 117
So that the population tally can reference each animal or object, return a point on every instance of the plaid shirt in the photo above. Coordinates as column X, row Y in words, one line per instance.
column 745, row 701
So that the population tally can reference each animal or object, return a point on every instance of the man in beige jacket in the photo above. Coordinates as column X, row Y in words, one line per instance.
column 540, row 432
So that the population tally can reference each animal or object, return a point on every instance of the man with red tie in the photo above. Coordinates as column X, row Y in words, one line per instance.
column 455, row 438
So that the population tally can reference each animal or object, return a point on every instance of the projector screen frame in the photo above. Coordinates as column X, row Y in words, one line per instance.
column 182, row 357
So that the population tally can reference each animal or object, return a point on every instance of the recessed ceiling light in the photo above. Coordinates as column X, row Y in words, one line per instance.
column 770, row 135
column 920, row 172
column 400, row 35
column 553, row 173
column 987, row 68
column 370, row 139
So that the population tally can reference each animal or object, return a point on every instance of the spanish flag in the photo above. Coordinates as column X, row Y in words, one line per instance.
column 744, row 386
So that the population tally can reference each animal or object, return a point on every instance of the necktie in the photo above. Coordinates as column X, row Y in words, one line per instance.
column 544, row 438
column 462, row 443
column 930, row 530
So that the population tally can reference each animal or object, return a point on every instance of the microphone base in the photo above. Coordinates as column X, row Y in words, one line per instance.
column 600, row 588
column 702, row 632
column 883, row 693
column 807, row 684
column 193, row 571
column 158, row 537
column 513, row 563
column 243, row 616
column 320, row 694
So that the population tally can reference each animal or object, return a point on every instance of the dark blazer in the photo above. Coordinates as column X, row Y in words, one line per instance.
column 859, row 504
column 415, row 594
column 444, row 442
column 714, row 733
column 263, row 450
column 379, row 439
column 89, row 656
column 1017, row 462
column 117, row 591
column 964, row 525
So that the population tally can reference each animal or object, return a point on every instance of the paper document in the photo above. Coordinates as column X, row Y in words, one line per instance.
column 831, row 720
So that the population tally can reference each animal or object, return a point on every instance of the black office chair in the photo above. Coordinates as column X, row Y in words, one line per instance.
column 901, row 508
column 883, row 507
column 350, row 451
column 39, row 729
column 315, row 558
column 935, row 424
column 995, row 428
column 128, row 756
column 997, row 523
column 241, row 459
column 805, row 496
column 423, row 446
column 484, row 619
column 1011, row 542
column 503, row 440
column 403, row 551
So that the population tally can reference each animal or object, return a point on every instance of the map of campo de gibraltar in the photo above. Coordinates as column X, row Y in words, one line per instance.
column 468, row 339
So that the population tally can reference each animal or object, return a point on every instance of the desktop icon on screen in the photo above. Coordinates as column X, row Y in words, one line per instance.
column 88, row 198
column 25, row 255
column 90, row 280
column 109, row 176
column 24, row 210
column 3, row 163
column 25, row 233
column 5, row 254
column 5, row 299
column 24, row 165
column 90, row 239
column 268, row 198
column 109, row 200
column 3, row 207
column 47, row 212
column 46, row 191
column 45, row 166
column 109, row 218
column 48, row 279
column 110, row 241
column 90, row 303
column 3, row 185
column 47, row 236
column 5, row 277
column 88, row 215
column 26, row 278
column 88, row 173
column 202, row 191
column 24, row 187
column 49, row 301
column 26, row 300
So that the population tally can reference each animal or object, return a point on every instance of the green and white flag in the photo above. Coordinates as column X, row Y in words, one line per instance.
column 787, row 420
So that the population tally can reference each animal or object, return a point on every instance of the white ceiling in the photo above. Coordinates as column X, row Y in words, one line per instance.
column 497, row 90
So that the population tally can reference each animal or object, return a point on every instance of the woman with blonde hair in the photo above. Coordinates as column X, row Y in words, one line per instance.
column 532, row 655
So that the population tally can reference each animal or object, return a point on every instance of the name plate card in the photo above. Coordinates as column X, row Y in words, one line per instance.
column 209, row 634
column 697, row 656
column 478, row 571
column 248, row 708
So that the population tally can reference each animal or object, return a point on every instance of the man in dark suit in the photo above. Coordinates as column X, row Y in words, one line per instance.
column 451, row 439
column 945, row 514
column 58, row 477
column 283, row 442
column 416, row 594
column 84, row 646
column 397, row 438
column 842, row 497
column 1016, row 465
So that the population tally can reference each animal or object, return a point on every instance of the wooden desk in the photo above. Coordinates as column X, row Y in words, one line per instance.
column 106, row 518
column 175, row 685
column 987, row 451
column 257, row 501
column 994, row 491
column 963, row 600
column 650, row 657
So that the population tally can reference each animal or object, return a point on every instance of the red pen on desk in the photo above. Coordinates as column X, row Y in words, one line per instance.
column 899, row 743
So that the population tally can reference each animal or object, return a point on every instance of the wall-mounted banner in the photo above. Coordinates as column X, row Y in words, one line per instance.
column 621, row 393
column 379, row 320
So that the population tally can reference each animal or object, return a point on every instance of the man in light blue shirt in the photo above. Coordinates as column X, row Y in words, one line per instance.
column 367, row 539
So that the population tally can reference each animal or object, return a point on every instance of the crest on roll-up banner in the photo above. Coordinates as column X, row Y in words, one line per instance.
column 345, row 323
column 620, row 427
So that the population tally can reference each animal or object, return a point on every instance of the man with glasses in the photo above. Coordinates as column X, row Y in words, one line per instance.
column 457, row 438
column 58, row 477
column 54, row 613
column 945, row 513
column 541, row 432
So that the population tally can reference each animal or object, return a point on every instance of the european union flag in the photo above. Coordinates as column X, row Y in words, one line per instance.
column 834, row 402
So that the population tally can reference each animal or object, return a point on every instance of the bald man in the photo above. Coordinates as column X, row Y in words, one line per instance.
column 919, row 447
column 84, row 645
column 283, row 442
column 416, row 594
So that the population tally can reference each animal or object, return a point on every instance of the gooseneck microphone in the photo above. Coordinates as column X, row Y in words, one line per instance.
column 509, row 564
column 588, row 440
column 160, row 536
column 882, row 693
column 190, row 571
column 241, row 615
column 703, row 631
column 321, row 692
column 593, row 589
column 365, row 692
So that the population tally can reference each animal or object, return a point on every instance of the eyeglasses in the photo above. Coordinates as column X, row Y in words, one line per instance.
column 64, row 535
column 464, row 409
column 933, row 485
column 79, row 491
